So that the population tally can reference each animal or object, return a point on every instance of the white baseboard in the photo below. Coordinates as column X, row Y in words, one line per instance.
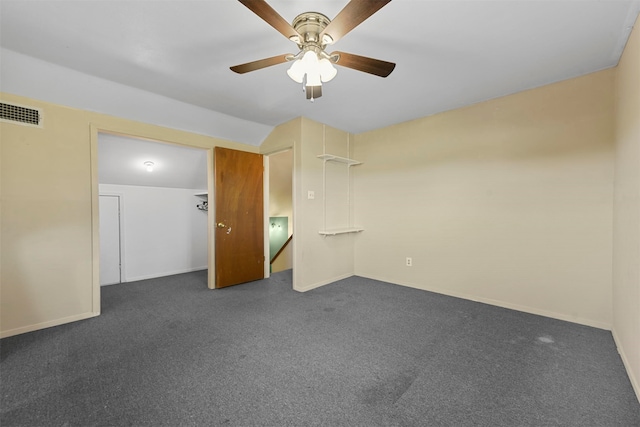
column 503, row 304
column 163, row 274
column 322, row 283
column 48, row 324
column 635, row 381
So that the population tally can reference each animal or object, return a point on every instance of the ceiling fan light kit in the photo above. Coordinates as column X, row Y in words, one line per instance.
column 312, row 32
column 316, row 70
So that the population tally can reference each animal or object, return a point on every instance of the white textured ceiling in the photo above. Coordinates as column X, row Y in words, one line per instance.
column 449, row 53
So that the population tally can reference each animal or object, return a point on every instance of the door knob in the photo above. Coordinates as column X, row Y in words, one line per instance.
column 221, row 225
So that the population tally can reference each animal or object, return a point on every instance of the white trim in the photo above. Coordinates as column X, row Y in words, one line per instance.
column 627, row 365
column 277, row 151
column 167, row 273
column 322, row 283
column 49, row 324
column 265, row 215
column 503, row 304
column 297, row 242
column 120, row 197
column 95, row 223
column 95, row 220
column 211, row 213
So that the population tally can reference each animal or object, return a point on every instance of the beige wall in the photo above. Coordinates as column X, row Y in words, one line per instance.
column 317, row 260
column 284, row 260
column 626, row 225
column 321, row 260
column 507, row 202
column 48, row 202
column 281, row 186
column 283, row 137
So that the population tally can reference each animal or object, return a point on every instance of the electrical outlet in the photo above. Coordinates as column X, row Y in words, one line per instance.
column 409, row 262
column 311, row 195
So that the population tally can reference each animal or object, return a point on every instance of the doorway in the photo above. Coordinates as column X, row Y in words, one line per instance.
column 162, row 228
column 280, row 210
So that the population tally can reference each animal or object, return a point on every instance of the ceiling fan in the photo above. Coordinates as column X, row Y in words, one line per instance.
column 313, row 32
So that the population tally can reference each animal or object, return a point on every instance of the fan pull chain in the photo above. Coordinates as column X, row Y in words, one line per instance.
column 304, row 87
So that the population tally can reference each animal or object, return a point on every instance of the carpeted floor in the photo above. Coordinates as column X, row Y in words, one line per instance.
column 169, row 352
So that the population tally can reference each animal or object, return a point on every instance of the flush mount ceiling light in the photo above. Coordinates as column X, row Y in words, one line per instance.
column 149, row 166
column 312, row 32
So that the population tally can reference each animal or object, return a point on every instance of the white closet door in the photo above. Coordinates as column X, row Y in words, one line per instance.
column 109, row 240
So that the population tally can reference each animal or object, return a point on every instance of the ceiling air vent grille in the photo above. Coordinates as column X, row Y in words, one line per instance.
column 20, row 115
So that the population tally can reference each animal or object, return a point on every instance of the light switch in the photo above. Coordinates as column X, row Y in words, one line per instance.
column 311, row 195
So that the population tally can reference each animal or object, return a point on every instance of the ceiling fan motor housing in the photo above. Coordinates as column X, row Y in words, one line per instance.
column 309, row 25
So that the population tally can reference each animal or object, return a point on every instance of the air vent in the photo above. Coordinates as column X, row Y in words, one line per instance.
column 20, row 115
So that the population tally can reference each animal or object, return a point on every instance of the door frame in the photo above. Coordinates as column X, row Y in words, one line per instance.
column 120, row 197
column 267, row 201
column 155, row 134
column 265, row 214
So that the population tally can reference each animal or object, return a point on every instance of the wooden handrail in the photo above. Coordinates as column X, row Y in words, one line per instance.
column 281, row 249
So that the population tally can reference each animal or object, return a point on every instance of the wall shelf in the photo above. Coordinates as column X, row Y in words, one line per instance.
column 204, row 206
column 348, row 162
column 332, row 158
column 340, row 231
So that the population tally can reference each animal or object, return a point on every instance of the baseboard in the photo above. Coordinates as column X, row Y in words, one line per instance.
column 49, row 324
column 322, row 283
column 503, row 304
column 625, row 360
column 167, row 273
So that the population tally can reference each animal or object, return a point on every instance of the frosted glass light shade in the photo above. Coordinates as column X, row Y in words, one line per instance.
column 327, row 70
column 313, row 78
column 296, row 71
column 317, row 71
column 310, row 58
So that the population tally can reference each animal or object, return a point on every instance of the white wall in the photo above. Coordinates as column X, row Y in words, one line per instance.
column 164, row 232
column 626, row 225
column 508, row 202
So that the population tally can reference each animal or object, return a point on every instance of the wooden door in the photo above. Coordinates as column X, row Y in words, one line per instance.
column 239, row 201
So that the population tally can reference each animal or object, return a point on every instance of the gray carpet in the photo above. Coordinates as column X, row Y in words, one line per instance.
column 169, row 352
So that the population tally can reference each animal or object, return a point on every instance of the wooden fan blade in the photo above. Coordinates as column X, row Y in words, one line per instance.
column 270, row 16
column 353, row 14
column 363, row 63
column 257, row 65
